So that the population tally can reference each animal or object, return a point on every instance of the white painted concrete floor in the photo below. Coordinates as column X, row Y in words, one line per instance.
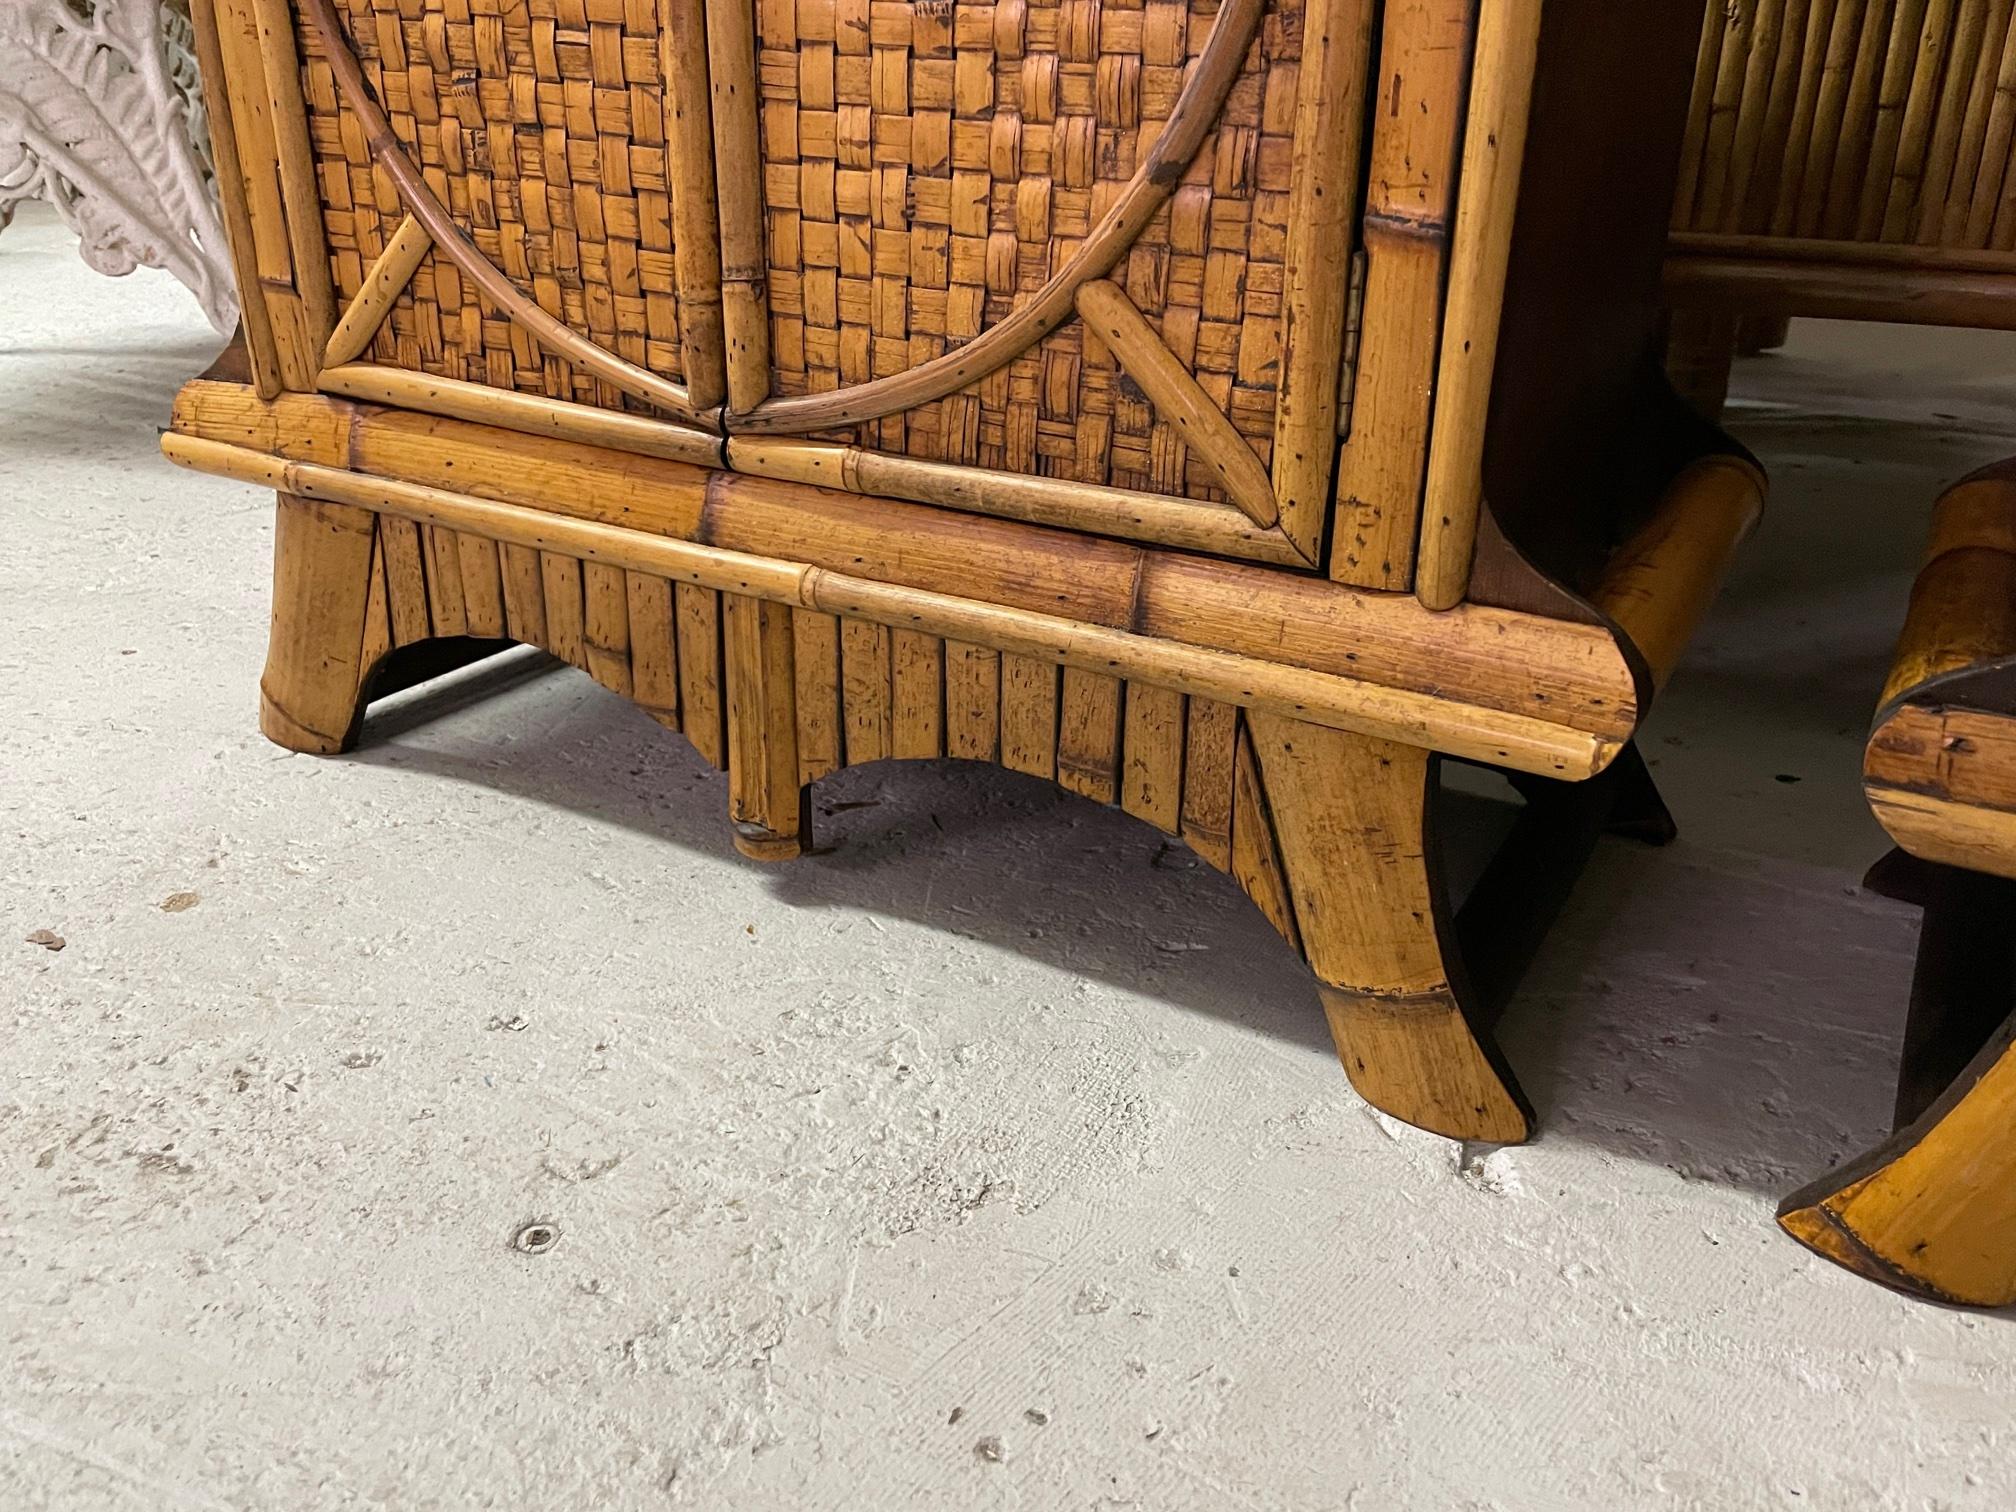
column 996, row 1159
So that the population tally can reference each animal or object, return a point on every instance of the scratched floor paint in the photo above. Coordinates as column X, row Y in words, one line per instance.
column 995, row 1159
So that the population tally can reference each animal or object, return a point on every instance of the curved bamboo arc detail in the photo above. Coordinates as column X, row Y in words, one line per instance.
column 420, row 201
column 1196, row 110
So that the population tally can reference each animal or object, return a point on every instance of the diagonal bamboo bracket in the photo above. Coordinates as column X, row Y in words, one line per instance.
column 387, row 279
column 1211, row 437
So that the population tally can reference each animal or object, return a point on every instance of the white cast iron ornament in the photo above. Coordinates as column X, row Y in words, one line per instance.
column 101, row 115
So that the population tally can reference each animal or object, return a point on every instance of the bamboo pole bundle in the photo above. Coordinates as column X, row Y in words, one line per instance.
column 1798, row 149
column 1997, row 134
column 1970, row 32
column 1888, row 209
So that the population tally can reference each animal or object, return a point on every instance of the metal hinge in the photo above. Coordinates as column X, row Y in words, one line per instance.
column 1354, row 320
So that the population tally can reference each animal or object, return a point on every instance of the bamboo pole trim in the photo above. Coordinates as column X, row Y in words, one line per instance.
column 420, row 200
column 387, row 278
column 1197, row 108
column 1156, row 518
column 1523, row 742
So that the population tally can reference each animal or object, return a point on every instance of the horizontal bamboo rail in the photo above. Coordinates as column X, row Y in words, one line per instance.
column 1180, row 523
column 534, row 414
column 421, row 202
column 1515, row 662
column 1685, row 245
column 1518, row 741
column 1868, row 289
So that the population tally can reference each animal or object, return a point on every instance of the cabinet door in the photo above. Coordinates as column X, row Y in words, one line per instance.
column 1081, row 260
column 565, row 146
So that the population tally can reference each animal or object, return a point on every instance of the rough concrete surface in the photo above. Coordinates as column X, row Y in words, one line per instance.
column 995, row 1159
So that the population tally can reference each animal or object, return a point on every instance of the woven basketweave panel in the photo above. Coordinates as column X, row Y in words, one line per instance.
column 924, row 163
column 541, row 124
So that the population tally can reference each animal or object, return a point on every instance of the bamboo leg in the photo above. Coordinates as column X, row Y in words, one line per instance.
column 1349, row 820
column 309, row 695
column 766, row 800
column 1932, row 1211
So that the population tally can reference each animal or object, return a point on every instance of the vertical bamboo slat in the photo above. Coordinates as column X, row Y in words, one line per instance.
column 972, row 701
column 1210, row 750
column 444, row 581
column 524, row 593
column 300, row 191
column 566, row 611
column 605, row 626
column 1904, row 122
column 654, row 647
column 700, row 699
column 1733, row 73
column 1088, row 735
column 1798, row 150
column 1256, row 855
column 696, row 237
column 816, row 667
column 482, row 585
column 918, row 695
column 1424, row 64
column 405, row 580
column 1700, row 110
column 1322, row 209
column 1852, row 161
column 1151, row 778
column 1029, row 716
column 297, row 343
column 745, row 305
column 231, row 193
column 1494, row 144
column 1970, row 31
column 866, row 695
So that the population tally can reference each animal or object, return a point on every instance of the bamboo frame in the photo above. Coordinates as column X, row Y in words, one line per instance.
column 1494, row 144
column 1315, row 273
column 261, row 354
column 745, row 305
column 532, row 414
column 1522, row 742
column 696, row 235
column 1381, row 474
column 384, row 281
column 1119, row 512
column 296, row 342
column 1501, row 659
